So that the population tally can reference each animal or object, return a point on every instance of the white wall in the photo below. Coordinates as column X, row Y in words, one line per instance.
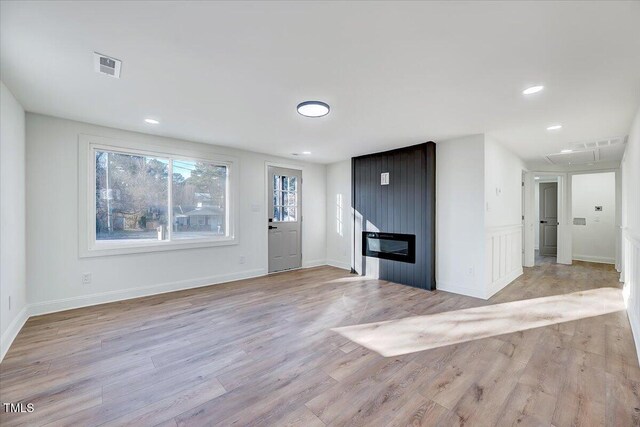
column 339, row 215
column 503, row 217
column 630, row 170
column 12, row 222
column 503, row 185
column 596, row 240
column 52, row 233
column 460, row 216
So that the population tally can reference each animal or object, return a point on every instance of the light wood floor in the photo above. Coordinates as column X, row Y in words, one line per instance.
column 261, row 352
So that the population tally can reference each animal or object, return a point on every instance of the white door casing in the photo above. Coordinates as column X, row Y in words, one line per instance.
column 548, row 218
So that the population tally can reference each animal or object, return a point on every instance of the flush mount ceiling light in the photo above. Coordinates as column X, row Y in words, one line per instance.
column 151, row 121
column 313, row 108
column 537, row 177
column 554, row 127
column 566, row 151
column 531, row 90
column 306, row 152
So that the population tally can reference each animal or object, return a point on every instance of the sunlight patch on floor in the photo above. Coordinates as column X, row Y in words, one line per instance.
column 417, row 333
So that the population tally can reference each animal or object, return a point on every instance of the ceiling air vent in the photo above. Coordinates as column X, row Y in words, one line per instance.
column 608, row 142
column 107, row 65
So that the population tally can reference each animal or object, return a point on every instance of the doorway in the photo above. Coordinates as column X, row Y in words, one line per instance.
column 546, row 206
column 284, row 190
column 594, row 213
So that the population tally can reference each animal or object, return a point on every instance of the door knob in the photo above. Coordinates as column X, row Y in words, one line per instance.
column 543, row 222
column 271, row 227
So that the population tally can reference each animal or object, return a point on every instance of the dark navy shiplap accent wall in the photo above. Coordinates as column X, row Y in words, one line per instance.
column 407, row 205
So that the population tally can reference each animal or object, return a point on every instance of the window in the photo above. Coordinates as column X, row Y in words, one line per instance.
column 285, row 198
column 132, row 196
column 143, row 199
column 199, row 199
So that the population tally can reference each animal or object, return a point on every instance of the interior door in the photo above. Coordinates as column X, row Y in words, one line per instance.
column 548, row 218
column 285, row 220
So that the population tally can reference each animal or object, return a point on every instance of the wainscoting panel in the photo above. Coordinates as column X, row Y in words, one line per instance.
column 503, row 256
column 631, row 278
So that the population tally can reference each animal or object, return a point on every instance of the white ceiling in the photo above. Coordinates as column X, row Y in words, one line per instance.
column 394, row 73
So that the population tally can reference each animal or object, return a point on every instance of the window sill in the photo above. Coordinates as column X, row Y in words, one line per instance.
column 109, row 249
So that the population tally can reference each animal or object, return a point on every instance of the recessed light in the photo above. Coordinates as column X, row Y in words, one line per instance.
column 531, row 90
column 566, row 151
column 537, row 177
column 151, row 121
column 554, row 127
column 313, row 108
column 306, row 152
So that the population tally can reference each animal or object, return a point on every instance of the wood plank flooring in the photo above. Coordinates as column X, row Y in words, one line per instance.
column 261, row 352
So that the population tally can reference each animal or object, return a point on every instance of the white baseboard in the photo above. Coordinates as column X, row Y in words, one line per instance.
column 46, row 307
column 495, row 287
column 314, row 263
column 635, row 330
column 12, row 331
column 590, row 258
column 462, row 290
column 339, row 264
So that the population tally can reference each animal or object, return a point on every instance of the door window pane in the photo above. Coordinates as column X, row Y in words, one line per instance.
column 199, row 199
column 285, row 198
column 290, row 214
column 131, row 196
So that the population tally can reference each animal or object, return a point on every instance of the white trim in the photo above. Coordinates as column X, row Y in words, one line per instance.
column 461, row 290
column 87, row 245
column 12, row 331
column 528, row 222
column 46, row 307
column 591, row 258
column 635, row 330
column 495, row 287
column 339, row 264
column 564, row 219
column 631, row 277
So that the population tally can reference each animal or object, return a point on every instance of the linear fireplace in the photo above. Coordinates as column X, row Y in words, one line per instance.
column 393, row 246
column 393, row 195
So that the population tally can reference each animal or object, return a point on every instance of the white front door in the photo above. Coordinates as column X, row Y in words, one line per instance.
column 284, row 187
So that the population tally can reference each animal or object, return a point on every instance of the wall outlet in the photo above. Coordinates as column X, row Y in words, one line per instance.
column 243, row 259
column 470, row 272
column 86, row 278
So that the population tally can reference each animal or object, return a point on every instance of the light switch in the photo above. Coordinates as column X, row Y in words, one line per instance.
column 384, row 178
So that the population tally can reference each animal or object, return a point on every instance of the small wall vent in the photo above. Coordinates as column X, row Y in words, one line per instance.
column 107, row 65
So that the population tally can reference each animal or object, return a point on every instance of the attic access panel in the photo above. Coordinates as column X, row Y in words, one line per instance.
column 576, row 157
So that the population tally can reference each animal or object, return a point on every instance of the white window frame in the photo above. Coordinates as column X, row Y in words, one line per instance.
column 90, row 247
